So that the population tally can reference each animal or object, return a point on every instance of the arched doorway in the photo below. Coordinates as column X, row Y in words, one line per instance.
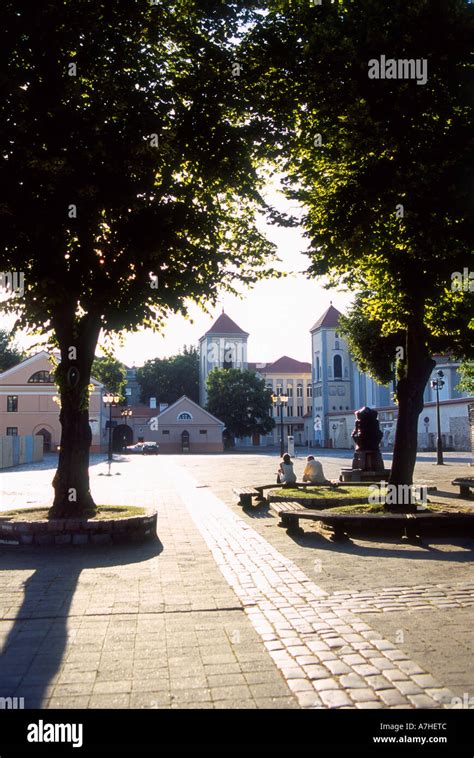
column 122, row 436
column 185, row 442
column 46, row 439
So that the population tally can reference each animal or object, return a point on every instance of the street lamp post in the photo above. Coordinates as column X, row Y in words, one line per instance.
column 111, row 401
column 280, row 401
column 126, row 413
column 438, row 384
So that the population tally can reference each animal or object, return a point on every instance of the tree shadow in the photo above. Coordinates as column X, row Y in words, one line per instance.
column 427, row 549
column 33, row 649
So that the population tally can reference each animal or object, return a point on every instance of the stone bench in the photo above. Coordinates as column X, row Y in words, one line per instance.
column 465, row 485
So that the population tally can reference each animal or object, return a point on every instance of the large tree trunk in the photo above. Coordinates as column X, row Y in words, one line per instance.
column 77, row 342
column 410, row 389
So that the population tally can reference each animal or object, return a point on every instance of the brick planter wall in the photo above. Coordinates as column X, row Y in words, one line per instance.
column 79, row 531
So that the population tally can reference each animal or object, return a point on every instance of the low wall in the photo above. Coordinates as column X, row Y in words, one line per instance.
column 17, row 450
column 78, row 531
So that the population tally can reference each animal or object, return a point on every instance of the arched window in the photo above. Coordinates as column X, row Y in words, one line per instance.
column 185, row 416
column 318, row 369
column 45, row 377
column 337, row 363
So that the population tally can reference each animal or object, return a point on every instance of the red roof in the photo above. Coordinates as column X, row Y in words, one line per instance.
column 283, row 365
column 329, row 319
column 225, row 325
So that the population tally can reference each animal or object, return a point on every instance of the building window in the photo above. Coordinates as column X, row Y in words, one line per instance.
column 12, row 431
column 128, row 391
column 203, row 431
column 309, row 391
column 337, row 367
column 310, row 408
column 299, row 410
column 12, row 403
column 299, row 390
column 165, row 431
column 43, row 377
column 289, row 410
column 289, row 390
column 185, row 416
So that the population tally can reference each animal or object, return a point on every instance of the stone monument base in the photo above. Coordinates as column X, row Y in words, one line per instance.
column 361, row 475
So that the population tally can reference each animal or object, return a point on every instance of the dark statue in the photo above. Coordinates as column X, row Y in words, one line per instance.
column 367, row 437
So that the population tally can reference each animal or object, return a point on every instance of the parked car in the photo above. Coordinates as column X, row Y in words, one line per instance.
column 134, row 449
column 150, row 448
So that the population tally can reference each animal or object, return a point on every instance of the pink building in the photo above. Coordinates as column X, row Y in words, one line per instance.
column 28, row 405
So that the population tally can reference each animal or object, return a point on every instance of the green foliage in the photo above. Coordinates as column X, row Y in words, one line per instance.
column 241, row 400
column 384, row 143
column 466, row 372
column 10, row 354
column 131, row 185
column 112, row 373
column 168, row 379
column 373, row 352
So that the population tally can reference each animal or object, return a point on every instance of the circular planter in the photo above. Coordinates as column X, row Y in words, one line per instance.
column 319, row 503
column 79, row 531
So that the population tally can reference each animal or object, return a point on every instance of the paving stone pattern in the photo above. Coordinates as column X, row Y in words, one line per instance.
column 327, row 654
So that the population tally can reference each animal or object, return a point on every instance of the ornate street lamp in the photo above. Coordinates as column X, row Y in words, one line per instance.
column 111, row 401
column 438, row 384
column 279, row 401
column 126, row 413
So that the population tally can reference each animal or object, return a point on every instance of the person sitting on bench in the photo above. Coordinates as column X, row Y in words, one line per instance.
column 314, row 472
column 285, row 473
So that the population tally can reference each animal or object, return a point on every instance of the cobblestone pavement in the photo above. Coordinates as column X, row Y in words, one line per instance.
column 229, row 611
column 417, row 597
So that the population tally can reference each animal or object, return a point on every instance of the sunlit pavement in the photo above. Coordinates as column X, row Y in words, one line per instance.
column 227, row 610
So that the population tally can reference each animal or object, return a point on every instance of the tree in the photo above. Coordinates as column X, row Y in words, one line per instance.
column 380, row 167
column 167, row 379
column 10, row 354
column 466, row 372
column 112, row 373
column 130, row 189
column 241, row 400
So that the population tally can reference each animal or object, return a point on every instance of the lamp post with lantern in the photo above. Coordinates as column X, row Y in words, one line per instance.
column 438, row 384
column 279, row 401
column 110, row 401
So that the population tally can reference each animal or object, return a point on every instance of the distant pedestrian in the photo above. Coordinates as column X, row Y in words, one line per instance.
column 285, row 473
column 313, row 472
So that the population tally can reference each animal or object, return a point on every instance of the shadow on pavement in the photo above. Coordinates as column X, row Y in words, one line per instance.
column 34, row 648
column 426, row 550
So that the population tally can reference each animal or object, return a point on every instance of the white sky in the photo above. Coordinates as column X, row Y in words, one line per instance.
column 278, row 313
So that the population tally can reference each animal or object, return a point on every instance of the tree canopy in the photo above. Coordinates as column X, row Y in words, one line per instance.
column 241, row 400
column 10, row 354
column 128, row 185
column 112, row 373
column 167, row 379
column 382, row 168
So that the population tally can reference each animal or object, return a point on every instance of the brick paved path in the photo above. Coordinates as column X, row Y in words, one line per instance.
column 225, row 612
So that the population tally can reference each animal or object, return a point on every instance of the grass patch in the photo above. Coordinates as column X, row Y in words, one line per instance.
column 104, row 512
column 379, row 508
column 325, row 493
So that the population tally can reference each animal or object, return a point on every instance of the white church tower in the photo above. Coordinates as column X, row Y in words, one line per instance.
column 223, row 346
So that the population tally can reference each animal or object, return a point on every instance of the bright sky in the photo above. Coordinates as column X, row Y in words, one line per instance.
column 278, row 313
